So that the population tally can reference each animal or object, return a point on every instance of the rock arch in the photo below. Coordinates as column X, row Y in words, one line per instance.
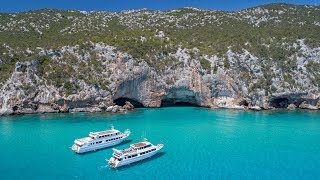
column 121, row 101
column 180, row 96
column 279, row 102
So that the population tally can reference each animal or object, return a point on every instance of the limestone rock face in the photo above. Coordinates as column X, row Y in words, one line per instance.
column 292, row 106
column 128, row 106
column 125, row 77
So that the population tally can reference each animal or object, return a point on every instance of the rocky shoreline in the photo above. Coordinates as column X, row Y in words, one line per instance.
column 119, row 109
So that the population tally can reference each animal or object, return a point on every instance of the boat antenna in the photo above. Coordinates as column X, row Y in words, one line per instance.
column 144, row 136
column 112, row 127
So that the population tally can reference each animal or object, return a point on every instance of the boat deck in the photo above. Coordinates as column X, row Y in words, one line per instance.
column 128, row 151
column 83, row 140
column 140, row 144
column 104, row 132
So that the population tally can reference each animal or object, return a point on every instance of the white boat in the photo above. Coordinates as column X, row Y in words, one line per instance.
column 99, row 140
column 134, row 153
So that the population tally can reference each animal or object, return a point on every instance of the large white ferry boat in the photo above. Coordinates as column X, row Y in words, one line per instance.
column 134, row 153
column 99, row 140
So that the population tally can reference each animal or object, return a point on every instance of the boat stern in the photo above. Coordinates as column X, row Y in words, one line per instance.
column 112, row 162
column 75, row 148
column 127, row 132
column 159, row 146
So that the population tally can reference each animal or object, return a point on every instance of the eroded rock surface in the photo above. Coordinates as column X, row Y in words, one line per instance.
column 188, row 82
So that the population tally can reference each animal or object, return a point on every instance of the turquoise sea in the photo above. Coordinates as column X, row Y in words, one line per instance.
column 199, row 144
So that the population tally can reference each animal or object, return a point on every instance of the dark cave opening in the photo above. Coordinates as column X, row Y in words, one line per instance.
column 15, row 108
column 279, row 102
column 173, row 102
column 244, row 103
column 122, row 101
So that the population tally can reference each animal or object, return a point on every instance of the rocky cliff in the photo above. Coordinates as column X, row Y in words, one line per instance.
column 260, row 58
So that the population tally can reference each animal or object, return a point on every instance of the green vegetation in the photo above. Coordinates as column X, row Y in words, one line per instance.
column 136, row 34
column 70, row 71
column 313, row 68
column 7, row 67
column 205, row 63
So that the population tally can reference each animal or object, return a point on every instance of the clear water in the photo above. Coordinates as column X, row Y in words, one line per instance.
column 199, row 144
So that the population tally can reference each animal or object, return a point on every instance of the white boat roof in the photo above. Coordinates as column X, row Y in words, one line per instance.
column 111, row 131
column 140, row 144
column 84, row 140
column 131, row 149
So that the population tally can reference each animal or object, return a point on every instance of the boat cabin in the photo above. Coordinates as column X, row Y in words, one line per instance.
column 104, row 134
column 140, row 145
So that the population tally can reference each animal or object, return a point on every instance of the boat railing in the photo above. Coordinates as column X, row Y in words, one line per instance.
column 160, row 146
column 127, row 132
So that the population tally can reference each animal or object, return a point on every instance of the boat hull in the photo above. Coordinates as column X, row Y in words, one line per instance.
column 80, row 150
column 135, row 159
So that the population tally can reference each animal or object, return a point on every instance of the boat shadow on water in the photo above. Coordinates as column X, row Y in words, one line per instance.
column 122, row 143
column 156, row 156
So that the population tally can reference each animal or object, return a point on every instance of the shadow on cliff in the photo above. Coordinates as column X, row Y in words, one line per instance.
column 177, row 104
column 122, row 101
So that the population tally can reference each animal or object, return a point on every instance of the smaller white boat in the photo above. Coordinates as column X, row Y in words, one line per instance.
column 99, row 140
column 136, row 152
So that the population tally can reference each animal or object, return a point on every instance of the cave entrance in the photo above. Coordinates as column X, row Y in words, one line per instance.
column 280, row 102
column 173, row 102
column 244, row 103
column 122, row 101
column 180, row 96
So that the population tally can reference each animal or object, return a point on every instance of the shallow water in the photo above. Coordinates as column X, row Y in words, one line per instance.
column 199, row 144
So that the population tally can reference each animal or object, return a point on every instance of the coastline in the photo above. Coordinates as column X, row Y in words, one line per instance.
column 135, row 109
